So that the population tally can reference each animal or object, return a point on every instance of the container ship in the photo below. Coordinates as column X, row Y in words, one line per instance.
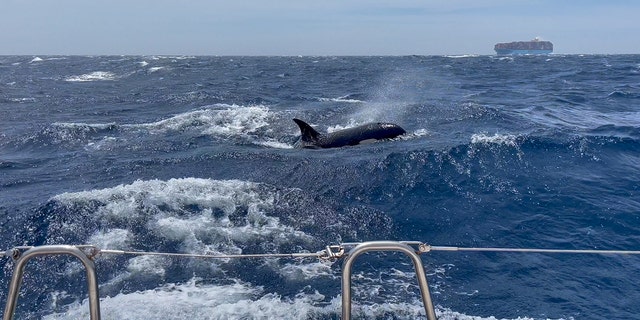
column 535, row 46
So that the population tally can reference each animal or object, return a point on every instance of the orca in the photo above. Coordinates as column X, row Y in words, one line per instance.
column 310, row 138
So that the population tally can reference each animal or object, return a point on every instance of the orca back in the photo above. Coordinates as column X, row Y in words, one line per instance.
column 310, row 138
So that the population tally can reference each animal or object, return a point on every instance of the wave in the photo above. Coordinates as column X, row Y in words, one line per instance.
column 7, row 164
column 93, row 76
column 204, row 216
column 178, row 209
column 239, row 300
column 623, row 94
column 144, row 63
column 197, row 300
column 201, row 301
column 38, row 59
column 502, row 164
column 221, row 119
column 155, row 69
column 198, row 215
column 62, row 132
column 240, row 124
column 22, row 100
column 79, row 126
column 503, row 139
column 347, row 99
column 590, row 145
column 233, row 123
column 260, row 126
column 463, row 56
column 616, row 131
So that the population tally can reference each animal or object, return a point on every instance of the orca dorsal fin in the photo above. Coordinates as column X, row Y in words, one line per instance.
column 307, row 133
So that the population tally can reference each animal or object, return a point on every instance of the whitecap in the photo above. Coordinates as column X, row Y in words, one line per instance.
column 232, row 120
column 113, row 238
column 23, row 100
column 106, row 143
column 195, row 300
column 275, row 144
column 307, row 271
column 345, row 99
column 503, row 139
column 193, row 212
column 420, row 133
column 93, row 76
column 463, row 56
column 85, row 126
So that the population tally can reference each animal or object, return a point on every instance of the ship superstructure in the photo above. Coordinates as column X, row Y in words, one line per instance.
column 535, row 46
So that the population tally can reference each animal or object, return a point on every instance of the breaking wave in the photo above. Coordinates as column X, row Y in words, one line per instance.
column 93, row 76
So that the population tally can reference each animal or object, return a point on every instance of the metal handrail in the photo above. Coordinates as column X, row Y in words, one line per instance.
column 21, row 262
column 87, row 253
column 384, row 246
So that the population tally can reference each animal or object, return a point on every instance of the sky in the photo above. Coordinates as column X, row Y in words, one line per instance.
column 320, row 27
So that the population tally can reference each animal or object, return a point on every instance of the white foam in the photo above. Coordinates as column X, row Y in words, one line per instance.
column 154, row 69
column 21, row 100
column 447, row 314
column 84, row 126
column 232, row 120
column 199, row 216
column 175, row 193
column 36, row 59
column 415, row 134
column 463, row 56
column 340, row 99
column 506, row 58
column 73, row 132
column 502, row 139
column 307, row 271
column 217, row 216
column 148, row 265
column 193, row 212
column 114, row 238
column 173, row 58
column 482, row 139
column 421, row 132
column 247, row 123
column 194, row 300
column 106, row 143
column 275, row 144
column 93, row 76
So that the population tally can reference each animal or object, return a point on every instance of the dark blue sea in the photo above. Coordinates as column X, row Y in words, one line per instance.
column 196, row 155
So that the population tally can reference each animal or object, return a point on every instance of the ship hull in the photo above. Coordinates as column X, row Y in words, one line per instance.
column 533, row 47
column 506, row 52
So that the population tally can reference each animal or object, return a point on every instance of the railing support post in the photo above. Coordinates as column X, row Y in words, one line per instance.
column 20, row 263
column 384, row 246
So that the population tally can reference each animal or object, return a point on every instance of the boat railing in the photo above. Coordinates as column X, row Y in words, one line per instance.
column 88, row 253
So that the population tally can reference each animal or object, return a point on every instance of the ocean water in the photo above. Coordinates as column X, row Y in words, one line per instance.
column 195, row 155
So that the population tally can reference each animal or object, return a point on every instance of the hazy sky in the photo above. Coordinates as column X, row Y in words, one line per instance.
column 320, row 27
